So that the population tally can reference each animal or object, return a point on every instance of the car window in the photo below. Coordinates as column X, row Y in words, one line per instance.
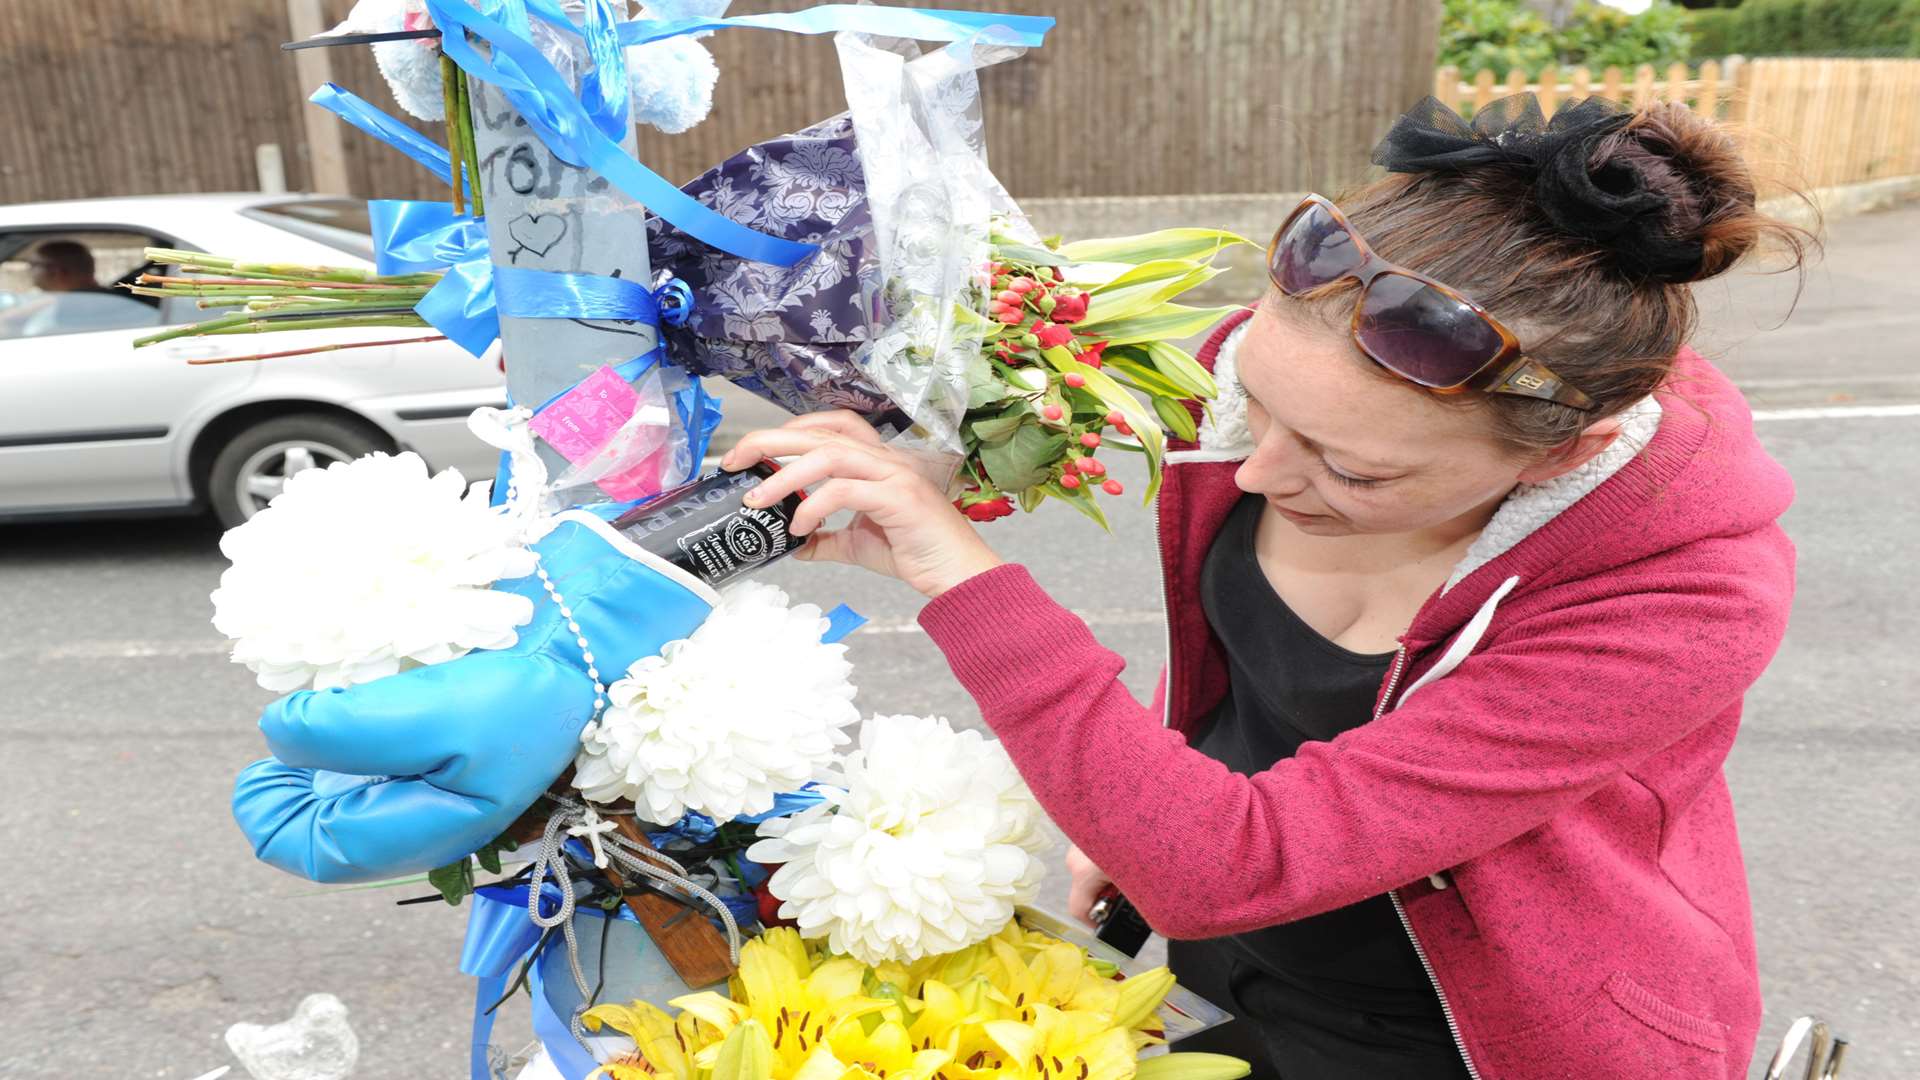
column 64, row 281
column 340, row 224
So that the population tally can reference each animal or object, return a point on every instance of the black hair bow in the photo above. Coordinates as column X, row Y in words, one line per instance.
column 1610, row 207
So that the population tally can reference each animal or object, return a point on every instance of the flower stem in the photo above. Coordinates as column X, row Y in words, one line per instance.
column 450, row 95
column 470, row 147
column 316, row 349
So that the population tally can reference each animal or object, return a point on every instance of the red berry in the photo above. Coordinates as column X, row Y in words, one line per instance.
column 1052, row 412
column 1112, row 487
column 1057, row 275
column 1090, row 440
column 1115, row 419
column 1071, row 466
column 1076, row 380
column 1069, row 481
column 1123, row 428
column 1010, row 298
column 1093, row 467
column 1008, row 316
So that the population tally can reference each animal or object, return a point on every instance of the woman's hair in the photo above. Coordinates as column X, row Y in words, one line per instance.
column 1589, row 310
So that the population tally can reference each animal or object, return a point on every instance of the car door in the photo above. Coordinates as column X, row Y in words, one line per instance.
column 86, row 421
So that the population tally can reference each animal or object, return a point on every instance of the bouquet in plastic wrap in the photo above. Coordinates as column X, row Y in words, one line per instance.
column 933, row 307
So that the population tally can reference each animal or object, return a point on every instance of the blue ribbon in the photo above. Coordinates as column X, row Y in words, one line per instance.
column 549, row 106
column 545, row 294
column 923, row 24
column 499, row 938
column 412, row 236
column 366, row 116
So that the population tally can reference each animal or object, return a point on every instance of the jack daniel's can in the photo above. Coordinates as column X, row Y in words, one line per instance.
column 702, row 527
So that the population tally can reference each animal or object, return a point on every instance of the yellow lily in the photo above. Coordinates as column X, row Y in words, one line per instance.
column 1061, row 1045
column 795, row 1003
column 659, row 1050
column 955, row 1021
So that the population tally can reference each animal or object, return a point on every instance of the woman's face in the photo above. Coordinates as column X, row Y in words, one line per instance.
column 1339, row 450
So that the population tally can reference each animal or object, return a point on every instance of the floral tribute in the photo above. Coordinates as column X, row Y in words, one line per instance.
column 1019, row 1005
column 875, row 894
column 1076, row 331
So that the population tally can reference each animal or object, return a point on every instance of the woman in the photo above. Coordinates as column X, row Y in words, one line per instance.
column 1466, row 577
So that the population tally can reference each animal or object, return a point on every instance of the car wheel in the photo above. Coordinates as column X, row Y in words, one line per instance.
column 250, row 470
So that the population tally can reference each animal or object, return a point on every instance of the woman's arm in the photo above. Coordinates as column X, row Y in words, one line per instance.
column 1553, row 707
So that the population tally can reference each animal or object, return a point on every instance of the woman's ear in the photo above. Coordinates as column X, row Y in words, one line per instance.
column 1576, row 452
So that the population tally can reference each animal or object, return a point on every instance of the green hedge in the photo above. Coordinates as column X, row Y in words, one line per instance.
column 1809, row 28
column 1501, row 35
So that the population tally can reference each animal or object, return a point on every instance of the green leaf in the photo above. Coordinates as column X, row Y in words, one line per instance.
column 999, row 428
column 489, row 854
column 1178, row 420
column 1168, row 321
column 1189, row 1066
column 1131, row 361
column 454, row 880
column 1081, row 500
column 1027, row 253
column 968, row 322
column 1180, row 367
column 1145, row 428
column 1142, row 289
column 984, row 385
column 1023, row 460
column 1146, row 247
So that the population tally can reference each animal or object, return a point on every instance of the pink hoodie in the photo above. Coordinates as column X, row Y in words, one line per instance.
column 1541, row 789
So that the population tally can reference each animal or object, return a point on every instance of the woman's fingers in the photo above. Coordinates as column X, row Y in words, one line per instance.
column 859, row 496
column 817, row 466
column 756, row 446
column 799, row 435
column 841, row 422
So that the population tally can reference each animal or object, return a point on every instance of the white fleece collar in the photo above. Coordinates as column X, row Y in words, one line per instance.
column 1224, row 436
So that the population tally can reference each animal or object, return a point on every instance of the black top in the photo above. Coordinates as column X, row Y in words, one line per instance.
column 1289, row 685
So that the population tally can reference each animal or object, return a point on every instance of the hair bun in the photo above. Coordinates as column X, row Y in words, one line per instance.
column 1652, row 190
column 1701, row 193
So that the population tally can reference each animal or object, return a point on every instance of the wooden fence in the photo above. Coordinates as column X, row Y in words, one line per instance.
column 1129, row 97
column 1810, row 122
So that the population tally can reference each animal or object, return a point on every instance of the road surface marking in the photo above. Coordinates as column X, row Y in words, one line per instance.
column 1836, row 412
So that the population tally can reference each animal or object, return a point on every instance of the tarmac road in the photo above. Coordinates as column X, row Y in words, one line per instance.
column 139, row 925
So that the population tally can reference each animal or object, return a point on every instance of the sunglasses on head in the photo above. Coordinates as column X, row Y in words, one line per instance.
column 1407, row 322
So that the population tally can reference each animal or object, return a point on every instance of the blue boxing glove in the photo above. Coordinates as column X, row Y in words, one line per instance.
column 418, row 769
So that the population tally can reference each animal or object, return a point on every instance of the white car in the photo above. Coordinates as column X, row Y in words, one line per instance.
column 90, row 425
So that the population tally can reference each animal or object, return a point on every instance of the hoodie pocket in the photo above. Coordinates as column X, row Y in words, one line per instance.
column 1622, row 1031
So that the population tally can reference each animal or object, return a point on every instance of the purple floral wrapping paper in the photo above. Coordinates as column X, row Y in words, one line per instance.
column 789, row 334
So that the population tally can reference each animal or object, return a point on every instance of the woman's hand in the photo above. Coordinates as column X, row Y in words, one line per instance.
column 904, row 525
column 1088, row 882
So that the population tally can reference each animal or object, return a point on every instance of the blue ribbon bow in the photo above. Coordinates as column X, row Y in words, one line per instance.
column 500, row 937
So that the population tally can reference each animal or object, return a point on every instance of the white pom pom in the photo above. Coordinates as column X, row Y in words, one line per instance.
column 672, row 83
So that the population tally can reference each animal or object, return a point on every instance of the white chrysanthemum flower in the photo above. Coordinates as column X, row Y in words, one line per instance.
column 751, row 705
column 366, row 568
column 926, row 850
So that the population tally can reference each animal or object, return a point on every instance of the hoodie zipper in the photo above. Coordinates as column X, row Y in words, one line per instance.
column 1400, row 909
column 1166, row 616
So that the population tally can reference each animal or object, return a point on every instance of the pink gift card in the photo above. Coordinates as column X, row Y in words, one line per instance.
column 590, row 426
